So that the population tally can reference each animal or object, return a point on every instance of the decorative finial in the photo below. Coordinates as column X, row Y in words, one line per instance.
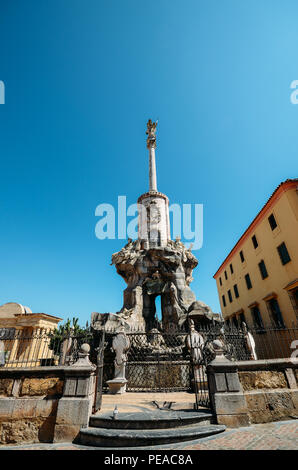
column 151, row 129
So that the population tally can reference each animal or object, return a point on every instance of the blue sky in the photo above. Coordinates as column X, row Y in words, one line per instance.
column 81, row 80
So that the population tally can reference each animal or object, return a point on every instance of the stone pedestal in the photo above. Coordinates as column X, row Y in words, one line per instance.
column 117, row 385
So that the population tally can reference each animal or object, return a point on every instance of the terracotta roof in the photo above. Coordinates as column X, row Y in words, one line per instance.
column 278, row 191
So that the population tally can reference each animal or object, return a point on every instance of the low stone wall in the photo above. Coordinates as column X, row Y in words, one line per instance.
column 270, row 389
column 247, row 392
column 44, row 404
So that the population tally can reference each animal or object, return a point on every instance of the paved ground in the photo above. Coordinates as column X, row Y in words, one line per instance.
column 282, row 435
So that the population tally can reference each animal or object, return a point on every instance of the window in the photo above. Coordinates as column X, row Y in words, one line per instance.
column 235, row 321
column 283, row 253
column 231, row 268
column 220, row 281
column 248, row 281
column 255, row 241
column 263, row 269
column 241, row 256
column 276, row 313
column 272, row 222
column 230, row 296
column 236, row 291
column 226, row 276
column 257, row 319
column 223, row 300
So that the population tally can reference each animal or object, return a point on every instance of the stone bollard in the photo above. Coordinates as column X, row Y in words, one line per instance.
column 75, row 406
column 226, row 394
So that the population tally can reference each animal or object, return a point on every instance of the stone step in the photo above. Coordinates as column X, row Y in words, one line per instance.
column 161, row 419
column 123, row 438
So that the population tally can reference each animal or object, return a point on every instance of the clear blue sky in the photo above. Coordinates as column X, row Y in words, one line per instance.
column 82, row 78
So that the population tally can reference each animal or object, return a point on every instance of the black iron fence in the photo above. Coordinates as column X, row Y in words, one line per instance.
column 153, row 352
column 156, row 361
column 40, row 347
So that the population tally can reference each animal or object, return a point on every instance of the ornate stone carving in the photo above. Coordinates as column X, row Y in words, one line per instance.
column 195, row 344
column 120, row 346
column 151, row 129
column 165, row 271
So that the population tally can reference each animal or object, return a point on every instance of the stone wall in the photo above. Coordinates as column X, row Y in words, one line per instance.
column 44, row 404
column 271, row 391
column 249, row 392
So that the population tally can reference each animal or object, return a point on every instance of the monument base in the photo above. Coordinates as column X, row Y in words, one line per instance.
column 117, row 385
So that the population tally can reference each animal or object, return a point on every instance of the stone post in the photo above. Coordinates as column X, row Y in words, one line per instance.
column 2, row 353
column 226, row 394
column 75, row 406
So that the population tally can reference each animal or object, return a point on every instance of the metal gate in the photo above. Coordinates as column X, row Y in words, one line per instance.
column 100, row 340
column 159, row 361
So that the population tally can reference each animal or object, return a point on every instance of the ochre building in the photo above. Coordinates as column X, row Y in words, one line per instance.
column 258, row 280
column 24, row 335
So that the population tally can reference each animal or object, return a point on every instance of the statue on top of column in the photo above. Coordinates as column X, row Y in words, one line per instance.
column 151, row 129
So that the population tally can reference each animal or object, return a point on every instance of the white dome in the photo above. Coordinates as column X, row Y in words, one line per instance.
column 11, row 308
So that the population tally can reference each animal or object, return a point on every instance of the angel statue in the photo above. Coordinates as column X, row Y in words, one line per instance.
column 151, row 129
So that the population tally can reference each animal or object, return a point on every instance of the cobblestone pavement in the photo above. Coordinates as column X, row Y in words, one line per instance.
column 282, row 435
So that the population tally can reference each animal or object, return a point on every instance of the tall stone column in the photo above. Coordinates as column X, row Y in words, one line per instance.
column 152, row 170
column 151, row 146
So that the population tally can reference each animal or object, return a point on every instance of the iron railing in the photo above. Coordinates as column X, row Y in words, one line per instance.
column 41, row 347
column 156, row 361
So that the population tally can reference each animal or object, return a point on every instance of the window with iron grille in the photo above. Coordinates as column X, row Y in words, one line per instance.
column 272, row 222
column 283, row 253
column 236, row 291
column 276, row 314
column 263, row 269
column 248, row 281
column 257, row 319
column 255, row 241
column 230, row 296
column 241, row 256
column 223, row 300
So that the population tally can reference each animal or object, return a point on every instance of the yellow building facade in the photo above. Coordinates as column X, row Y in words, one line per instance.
column 258, row 280
column 24, row 336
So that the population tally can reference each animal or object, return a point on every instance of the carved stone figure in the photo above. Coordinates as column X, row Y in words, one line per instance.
column 120, row 346
column 151, row 129
column 156, row 340
column 250, row 342
column 195, row 344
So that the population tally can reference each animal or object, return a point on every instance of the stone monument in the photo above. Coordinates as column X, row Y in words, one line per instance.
column 154, row 265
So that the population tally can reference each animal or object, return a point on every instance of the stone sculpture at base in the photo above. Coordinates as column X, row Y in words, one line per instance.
column 120, row 346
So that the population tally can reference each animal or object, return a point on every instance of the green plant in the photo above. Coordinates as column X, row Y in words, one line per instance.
column 65, row 331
